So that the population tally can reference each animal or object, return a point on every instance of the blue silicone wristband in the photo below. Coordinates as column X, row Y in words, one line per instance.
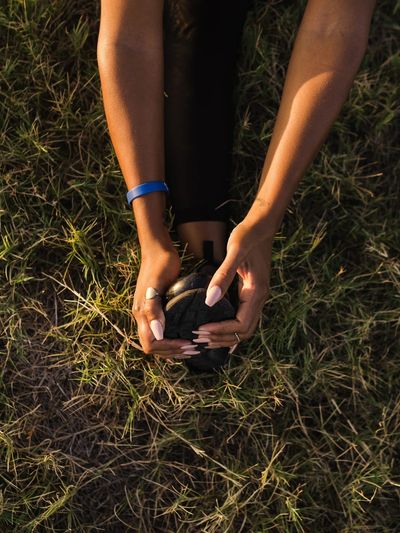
column 145, row 188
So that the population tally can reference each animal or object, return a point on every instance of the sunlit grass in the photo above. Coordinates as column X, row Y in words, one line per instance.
column 301, row 432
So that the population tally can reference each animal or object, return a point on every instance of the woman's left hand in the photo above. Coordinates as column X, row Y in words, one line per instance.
column 250, row 257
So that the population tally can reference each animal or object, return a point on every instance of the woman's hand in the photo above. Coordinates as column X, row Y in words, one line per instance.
column 249, row 255
column 159, row 269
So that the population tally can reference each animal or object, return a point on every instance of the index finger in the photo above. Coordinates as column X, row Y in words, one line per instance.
column 248, row 310
column 150, row 345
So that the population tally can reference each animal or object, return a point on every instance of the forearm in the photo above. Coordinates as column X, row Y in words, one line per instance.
column 131, row 82
column 323, row 65
column 131, row 75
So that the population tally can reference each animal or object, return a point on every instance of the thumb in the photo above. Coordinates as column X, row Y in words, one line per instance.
column 222, row 278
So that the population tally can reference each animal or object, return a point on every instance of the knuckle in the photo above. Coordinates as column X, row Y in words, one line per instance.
column 263, row 288
column 250, row 330
column 258, row 293
column 225, row 273
column 245, row 336
column 263, row 292
column 151, row 310
column 247, row 326
column 238, row 250
column 136, row 307
column 257, row 305
column 146, row 348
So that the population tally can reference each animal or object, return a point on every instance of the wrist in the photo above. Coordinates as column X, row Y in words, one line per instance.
column 155, row 242
column 261, row 225
column 149, row 217
column 247, row 237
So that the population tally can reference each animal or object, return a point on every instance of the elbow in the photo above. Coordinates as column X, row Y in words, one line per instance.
column 109, row 55
column 105, row 53
column 111, row 52
column 101, row 54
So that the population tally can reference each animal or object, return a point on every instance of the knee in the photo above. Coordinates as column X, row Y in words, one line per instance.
column 184, row 17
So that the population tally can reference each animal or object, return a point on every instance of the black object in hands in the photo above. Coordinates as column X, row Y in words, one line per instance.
column 185, row 311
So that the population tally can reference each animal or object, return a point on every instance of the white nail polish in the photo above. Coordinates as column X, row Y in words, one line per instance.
column 188, row 347
column 201, row 332
column 157, row 329
column 191, row 352
column 233, row 348
column 213, row 295
column 202, row 339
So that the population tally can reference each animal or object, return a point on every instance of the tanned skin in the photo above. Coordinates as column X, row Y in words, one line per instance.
column 130, row 59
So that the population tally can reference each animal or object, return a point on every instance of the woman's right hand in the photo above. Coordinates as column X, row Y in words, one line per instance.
column 160, row 267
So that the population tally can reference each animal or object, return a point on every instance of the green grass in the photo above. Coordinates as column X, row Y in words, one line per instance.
column 301, row 433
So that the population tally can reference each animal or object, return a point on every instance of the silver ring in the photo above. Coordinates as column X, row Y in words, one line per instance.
column 151, row 293
column 237, row 336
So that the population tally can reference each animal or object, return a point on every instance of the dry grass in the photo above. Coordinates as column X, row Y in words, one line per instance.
column 301, row 433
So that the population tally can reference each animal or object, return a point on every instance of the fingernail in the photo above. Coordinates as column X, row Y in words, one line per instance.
column 202, row 339
column 213, row 295
column 157, row 329
column 188, row 347
column 191, row 352
column 201, row 332
column 233, row 348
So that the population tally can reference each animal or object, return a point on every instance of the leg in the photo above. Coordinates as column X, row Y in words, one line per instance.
column 202, row 39
column 195, row 234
